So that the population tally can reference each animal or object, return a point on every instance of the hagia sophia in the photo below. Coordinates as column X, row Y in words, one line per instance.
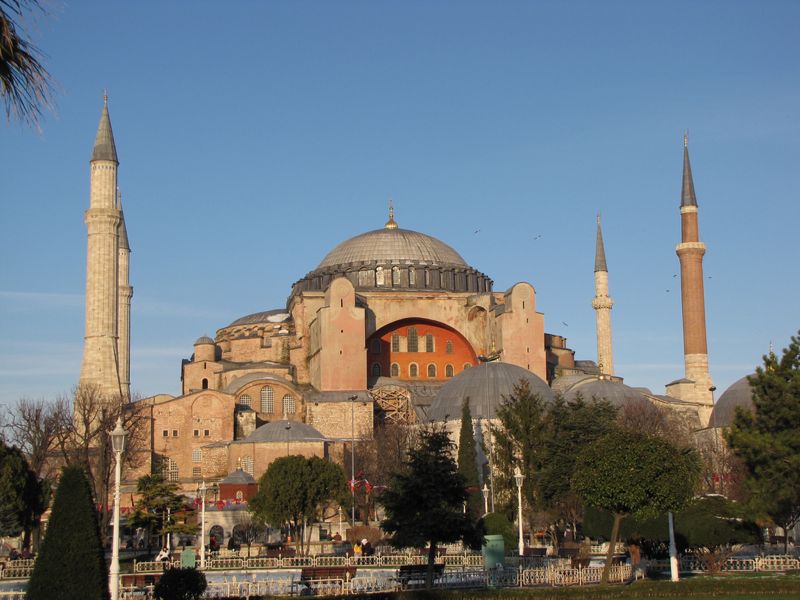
column 391, row 325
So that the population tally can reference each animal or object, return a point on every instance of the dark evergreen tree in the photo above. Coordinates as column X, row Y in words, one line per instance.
column 71, row 563
column 161, row 507
column 424, row 502
column 22, row 495
column 767, row 440
column 468, row 461
column 180, row 584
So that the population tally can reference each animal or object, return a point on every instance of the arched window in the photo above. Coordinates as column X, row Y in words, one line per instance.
column 169, row 469
column 431, row 370
column 376, row 369
column 197, row 455
column 289, row 407
column 395, row 276
column 395, row 343
column 376, row 346
column 395, row 370
column 267, row 400
column 413, row 370
column 448, row 370
column 429, row 342
column 427, row 278
column 467, row 366
column 204, row 384
column 413, row 341
column 448, row 347
column 412, row 276
column 379, row 276
column 247, row 464
column 244, row 400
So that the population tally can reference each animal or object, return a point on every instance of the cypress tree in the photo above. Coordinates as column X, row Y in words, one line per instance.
column 468, row 461
column 71, row 563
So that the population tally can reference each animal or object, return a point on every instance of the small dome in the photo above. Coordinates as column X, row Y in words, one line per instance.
column 283, row 431
column 392, row 245
column 203, row 340
column 738, row 394
column 277, row 315
column 495, row 378
column 616, row 392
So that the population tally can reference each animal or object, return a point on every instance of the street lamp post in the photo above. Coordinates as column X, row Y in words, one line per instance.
column 486, row 360
column 519, row 478
column 288, row 428
column 118, row 445
column 203, row 525
column 353, row 456
column 340, row 521
column 485, row 491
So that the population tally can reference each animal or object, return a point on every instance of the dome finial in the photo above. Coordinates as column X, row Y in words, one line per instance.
column 686, row 138
column 390, row 224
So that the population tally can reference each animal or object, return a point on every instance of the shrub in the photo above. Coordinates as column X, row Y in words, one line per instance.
column 181, row 584
column 498, row 524
column 71, row 563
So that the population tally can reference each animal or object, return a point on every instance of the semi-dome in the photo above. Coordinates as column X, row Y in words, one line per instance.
column 740, row 393
column 486, row 386
column 589, row 387
column 283, row 431
column 394, row 246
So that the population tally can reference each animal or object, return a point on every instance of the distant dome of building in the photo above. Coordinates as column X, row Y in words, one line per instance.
column 277, row 315
column 740, row 393
column 394, row 246
column 486, row 385
column 283, row 431
column 591, row 386
column 203, row 340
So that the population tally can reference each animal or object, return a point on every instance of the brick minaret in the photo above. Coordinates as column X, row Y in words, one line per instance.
column 602, row 304
column 100, row 365
column 697, row 384
column 125, row 293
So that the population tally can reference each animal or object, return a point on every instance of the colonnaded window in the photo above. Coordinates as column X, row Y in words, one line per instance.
column 289, row 407
column 413, row 370
column 412, row 276
column 431, row 370
column 395, row 342
column 267, row 400
column 376, row 369
column 244, row 400
column 197, row 472
column 413, row 341
column 429, row 342
column 395, row 370
column 379, row 276
column 169, row 469
column 197, row 455
column 247, row 464
column 448, row 370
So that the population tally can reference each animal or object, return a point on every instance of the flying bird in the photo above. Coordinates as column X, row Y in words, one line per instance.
column 476, row 231
column 564, row 323
column 536, row 237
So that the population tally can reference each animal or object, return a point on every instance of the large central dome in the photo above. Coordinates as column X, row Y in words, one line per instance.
column 399, row 246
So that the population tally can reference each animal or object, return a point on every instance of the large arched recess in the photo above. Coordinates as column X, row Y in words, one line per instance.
column 451, row 354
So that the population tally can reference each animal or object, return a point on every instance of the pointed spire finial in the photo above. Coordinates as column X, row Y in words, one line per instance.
column 104, row 148
column 599, row 249
column 391, row 224
column 686, row 138
column 105, row 97
column 687, row 192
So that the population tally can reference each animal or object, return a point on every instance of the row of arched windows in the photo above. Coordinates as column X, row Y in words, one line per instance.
column 268, row 401
column 413, row 370
column 412, row 343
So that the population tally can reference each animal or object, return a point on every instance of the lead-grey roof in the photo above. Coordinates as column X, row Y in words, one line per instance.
column 281, row 431
column 393, row 245
column 739, row 394
column 616, row 392
column 203, row 339
column 276, row 315
column 104, row 147
column 485, row 385
column 687, row 189
column 238, row 477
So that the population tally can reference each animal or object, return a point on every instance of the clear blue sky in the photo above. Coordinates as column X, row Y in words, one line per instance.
column 255, row 136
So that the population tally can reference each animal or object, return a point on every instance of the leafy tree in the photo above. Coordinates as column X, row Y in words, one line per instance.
column 498, row 524
column 71, row 563
column 424, row 501
column 629, row 473
column 25, row 84
column 161, row 507
column 767, row 440
column 180, row 584
column 23, row 498
column 468, row 460
column 294, row 489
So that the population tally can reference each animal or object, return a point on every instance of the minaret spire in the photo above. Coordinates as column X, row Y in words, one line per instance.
column 696, row 385
column 100, row 367
column 391, row 224
column 602, row 304
column 124, row 295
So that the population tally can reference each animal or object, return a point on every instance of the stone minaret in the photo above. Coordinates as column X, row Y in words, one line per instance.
column 690, row 253
column 125, row 293
column 100, row 359
column 602, row 304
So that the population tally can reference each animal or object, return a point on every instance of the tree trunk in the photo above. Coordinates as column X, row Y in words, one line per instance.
column 431, row 562
column 612, row 544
